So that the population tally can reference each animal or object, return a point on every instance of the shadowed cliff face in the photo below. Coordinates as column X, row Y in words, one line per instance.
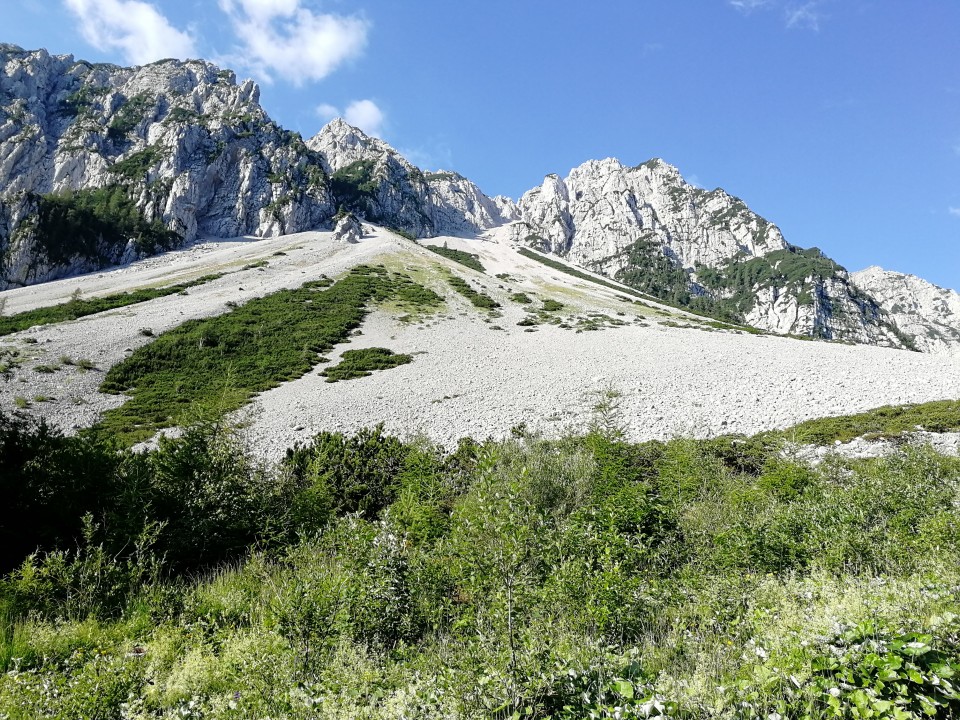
column 929, row 314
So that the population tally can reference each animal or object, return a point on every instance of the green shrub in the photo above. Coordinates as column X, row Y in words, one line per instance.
column 583, row 577
column 225, row 359
column 78, row 308
column 352, row 474
column 95, row 225
column 135, row 167
column 361, row 363
column 477, row 299
column 466, row 259
column 129, row 115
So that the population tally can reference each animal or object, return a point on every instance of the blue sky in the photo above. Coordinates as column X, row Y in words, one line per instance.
column 838, row 120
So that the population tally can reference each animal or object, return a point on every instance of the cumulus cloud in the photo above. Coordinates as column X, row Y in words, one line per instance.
column 955, row 211
column 364, row 114
column 137, row 29
column 327, row 112
column 286, row 39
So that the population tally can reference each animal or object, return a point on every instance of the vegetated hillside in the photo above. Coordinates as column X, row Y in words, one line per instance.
column 523, row 341
column 369, row 576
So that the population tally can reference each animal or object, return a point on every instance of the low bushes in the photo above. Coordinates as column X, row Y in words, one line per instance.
column 366, row 576
column 216, row 364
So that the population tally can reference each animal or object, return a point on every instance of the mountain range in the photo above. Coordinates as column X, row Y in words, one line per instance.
column 100, row 165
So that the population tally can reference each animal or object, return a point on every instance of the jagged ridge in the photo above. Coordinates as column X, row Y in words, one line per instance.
column 185, row 146
column 648, row 227
column 101, row 164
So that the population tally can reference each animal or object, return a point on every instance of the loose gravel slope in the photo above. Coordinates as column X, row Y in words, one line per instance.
column 473, row 372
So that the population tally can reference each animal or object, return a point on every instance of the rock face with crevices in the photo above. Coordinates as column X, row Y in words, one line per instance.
column 603, row 207
column 178, row 144
column 648, row 227
column 927, row 313
column 100, row 164
column 371, row 178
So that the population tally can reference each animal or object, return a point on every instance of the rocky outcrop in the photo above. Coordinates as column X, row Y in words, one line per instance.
column 927, row 313
column 602, row 208
column 348, row 229
column 191, row 148
column 828, row 308
column 373, row 179
column 193, row 154
column 648, row 227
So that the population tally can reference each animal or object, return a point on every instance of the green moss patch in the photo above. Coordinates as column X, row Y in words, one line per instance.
column 466, row 259
column 477, row 299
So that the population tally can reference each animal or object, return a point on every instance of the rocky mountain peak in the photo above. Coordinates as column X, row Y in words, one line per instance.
column 151, row 156
column 927, row 313
column 342, row 144
column 100, row 164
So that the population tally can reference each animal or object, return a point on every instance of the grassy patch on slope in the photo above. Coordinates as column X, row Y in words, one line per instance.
column 528, row 253
column 466, row 259
column 477, row 299
column 78, row 308
column 886, row 421
column 550, row 263
column 361, row 363
column 228, row 358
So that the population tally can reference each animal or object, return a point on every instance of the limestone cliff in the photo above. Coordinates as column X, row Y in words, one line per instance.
column 925, row 312
column 706, row 250
column 100, row 163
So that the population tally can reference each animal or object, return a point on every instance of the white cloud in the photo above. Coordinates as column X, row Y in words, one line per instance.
column 955, row 211
column 364, row 114
column 747, row 6
column 327, row 112
column 135, row 28
column 803, row 16
column 286, row 39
